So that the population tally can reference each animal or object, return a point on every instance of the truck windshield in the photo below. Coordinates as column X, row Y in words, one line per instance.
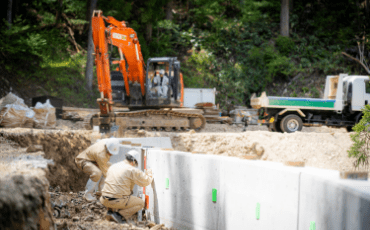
column 367, row 86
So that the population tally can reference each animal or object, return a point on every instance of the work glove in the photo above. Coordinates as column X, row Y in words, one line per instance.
column 149, row 172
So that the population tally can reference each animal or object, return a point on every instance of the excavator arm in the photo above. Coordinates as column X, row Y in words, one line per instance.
column 126, row 40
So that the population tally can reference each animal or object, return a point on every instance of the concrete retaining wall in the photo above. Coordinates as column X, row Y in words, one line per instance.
column 288, row 197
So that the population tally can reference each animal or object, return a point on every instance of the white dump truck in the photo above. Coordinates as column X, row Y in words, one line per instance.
column 341, row 106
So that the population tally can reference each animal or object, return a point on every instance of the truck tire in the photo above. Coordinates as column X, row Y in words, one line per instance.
column 291, row 124
column 275, row 127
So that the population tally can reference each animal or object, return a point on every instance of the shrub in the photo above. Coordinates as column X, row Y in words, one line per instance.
column 361, row 140
column 285, row 45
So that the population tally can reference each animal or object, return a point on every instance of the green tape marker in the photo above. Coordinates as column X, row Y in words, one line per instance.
column 167, row 183
column 312, row 225
column 214, row 195
column 258, row 211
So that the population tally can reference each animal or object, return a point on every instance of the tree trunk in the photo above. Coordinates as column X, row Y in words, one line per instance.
column 149, row 31
column 90, row 48
column 284, row 18
column 169, row 7
column 9, row 16
column 59, row 11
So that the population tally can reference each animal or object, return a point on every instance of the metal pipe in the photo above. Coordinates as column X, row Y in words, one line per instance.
column 120, row 53
column 137, row 52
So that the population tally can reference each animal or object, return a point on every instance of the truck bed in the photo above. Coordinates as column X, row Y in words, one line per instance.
column 291, row 102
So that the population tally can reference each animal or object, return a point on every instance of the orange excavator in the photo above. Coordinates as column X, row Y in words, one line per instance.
column 150, row 90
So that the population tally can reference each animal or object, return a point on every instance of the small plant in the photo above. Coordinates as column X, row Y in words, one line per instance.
column 361, row 138
column 315, row 92
column 294, row 94
column 285, row 45
column 305, row 89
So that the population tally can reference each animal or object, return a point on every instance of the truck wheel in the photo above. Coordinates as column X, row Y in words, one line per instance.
column 291, row 124
column 275, row 127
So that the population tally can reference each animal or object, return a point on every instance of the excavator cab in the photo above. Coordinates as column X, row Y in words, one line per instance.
column 163, row 82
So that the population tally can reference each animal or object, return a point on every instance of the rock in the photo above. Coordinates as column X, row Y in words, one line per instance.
column 70, row 193
column 259, row 150
column 52, row 195
column 191, row 131
column 141, row 132
column 89, row 218
column 157, row 227
column 76, row 218
column 34, row 148
column 62, row 226
column 150, row 224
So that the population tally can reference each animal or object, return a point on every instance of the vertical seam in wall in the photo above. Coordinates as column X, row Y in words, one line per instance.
column 299, row 195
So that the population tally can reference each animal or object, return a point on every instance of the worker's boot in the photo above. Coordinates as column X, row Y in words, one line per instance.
column 89, row 193
column 114, row 216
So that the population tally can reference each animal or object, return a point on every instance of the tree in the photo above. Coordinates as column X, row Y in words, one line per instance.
column 169, row 7
column 361, row 140
column 90, row 47
column 59, row 11
column 9, row 13
column 284, row 18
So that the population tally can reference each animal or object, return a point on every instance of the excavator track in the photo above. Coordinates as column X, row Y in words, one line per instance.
column 159, row 120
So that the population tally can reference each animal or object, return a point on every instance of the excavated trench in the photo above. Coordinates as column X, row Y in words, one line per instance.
column 59, row 146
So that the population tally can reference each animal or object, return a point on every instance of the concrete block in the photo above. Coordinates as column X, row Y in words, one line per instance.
column 331, row 202
column 248, row 183
column 187, row 203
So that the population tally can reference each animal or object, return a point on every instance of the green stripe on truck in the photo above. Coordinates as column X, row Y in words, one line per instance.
column 303, row 103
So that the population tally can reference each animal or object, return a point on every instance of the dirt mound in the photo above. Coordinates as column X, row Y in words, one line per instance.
column 60, row 146
column 321, row 150
column 25, row 203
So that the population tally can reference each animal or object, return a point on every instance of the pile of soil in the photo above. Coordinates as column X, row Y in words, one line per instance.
column 328, row 150
column 72, row 211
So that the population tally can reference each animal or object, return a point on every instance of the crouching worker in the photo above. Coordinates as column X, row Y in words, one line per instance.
column 94, row 161
column 118, row 188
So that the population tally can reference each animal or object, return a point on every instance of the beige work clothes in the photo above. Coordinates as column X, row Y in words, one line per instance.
column 96, row 153
column 126, row 206
column 121, row 179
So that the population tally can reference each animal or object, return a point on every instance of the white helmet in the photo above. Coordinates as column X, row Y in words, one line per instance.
column 135, row 154
column 161, row 71
column 112, row 145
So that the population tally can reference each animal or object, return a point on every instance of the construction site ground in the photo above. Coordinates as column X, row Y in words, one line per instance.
column 50, row 154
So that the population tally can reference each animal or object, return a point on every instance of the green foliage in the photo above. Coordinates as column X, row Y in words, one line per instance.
column 285, row 45
column 360, row 148
column 232, row 42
